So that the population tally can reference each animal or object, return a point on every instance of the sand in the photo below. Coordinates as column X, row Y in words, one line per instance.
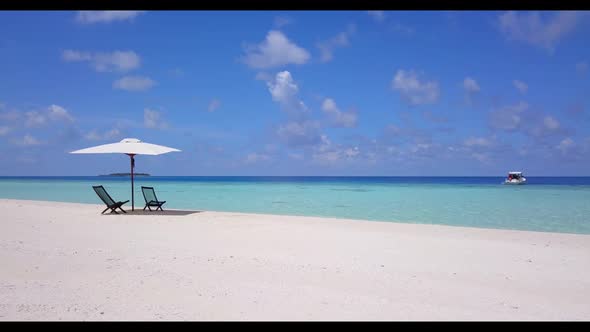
column 65, row 261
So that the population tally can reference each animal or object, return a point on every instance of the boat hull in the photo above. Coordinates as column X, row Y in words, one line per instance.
column 515, row 182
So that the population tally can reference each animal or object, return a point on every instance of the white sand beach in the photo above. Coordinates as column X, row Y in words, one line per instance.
column 65, row 261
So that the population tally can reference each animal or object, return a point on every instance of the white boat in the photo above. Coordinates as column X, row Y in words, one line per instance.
column 515, row 178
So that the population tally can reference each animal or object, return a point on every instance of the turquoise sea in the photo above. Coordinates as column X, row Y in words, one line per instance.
column 553, row 204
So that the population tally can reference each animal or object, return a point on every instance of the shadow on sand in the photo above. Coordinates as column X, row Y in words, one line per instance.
column 140, row 212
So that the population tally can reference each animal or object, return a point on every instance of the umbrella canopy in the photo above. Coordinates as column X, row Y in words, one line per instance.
column 130, row 147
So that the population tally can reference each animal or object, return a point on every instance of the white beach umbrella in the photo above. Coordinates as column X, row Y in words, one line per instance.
column 130, row 147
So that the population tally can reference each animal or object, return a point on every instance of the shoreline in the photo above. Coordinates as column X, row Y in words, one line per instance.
column 333, row 219
column 65, row 261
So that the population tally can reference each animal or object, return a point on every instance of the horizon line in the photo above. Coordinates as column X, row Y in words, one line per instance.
column 103, row 176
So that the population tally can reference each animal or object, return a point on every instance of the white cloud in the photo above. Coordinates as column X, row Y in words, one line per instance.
column 420, row 147
column 116, row 61
column 28, row 140
column 276, row 50
column 477, row 141
column 57, row 112
column 521, row 86
column 328, row 153
column 324, row 144
column 4, row 130
column 110, row 134
column 134, row 83
column 106, row 16
column 541, row 127
column 300, row 133
column 412, row 90
column 565, row 144
column 53, row 112
column 328, row 157
column 508, row 117
column 325, row 151
column 550, row 123
column 351, row 152
column 284, row 90
column 338, row 118
column 329, row 105
column 470, row 85
column 10, row 115
column 35, row 119
column 377, row 15
column 327, row 47
column 153, row 119
column 531, row 28
column 213, row 105
column 93, row 136
column 471, row 88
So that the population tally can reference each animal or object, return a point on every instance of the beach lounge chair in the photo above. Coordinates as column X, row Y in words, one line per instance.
column 106, row 198
column 150, row 199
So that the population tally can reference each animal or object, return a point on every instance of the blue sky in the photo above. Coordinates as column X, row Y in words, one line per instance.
column 297, row 92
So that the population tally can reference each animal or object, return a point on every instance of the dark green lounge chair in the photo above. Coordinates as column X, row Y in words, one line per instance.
column 151, row 200
column 106, row 198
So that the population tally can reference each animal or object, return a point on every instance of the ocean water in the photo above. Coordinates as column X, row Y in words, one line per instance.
column 552, row 204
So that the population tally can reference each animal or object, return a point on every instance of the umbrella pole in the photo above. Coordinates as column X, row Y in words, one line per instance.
column 132, row 185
